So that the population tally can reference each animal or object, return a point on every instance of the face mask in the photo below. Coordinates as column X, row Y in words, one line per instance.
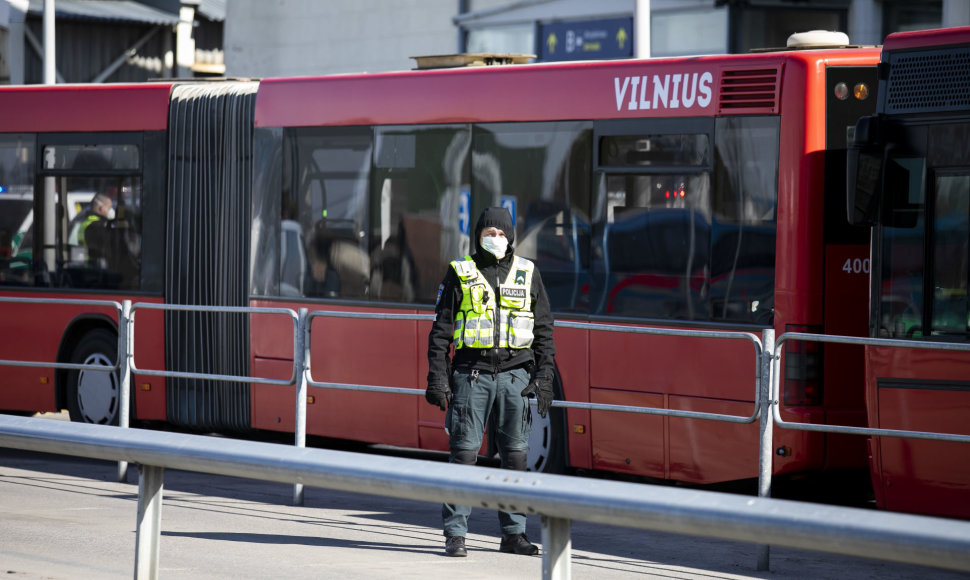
column 495, row 245
column 111, row 214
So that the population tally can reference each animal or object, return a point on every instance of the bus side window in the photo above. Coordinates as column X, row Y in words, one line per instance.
column 97, row 201
column 951, row 236
column 540, row 171
column 903, row 242
column 420, row 173
column 16, row 209
column 324, row 213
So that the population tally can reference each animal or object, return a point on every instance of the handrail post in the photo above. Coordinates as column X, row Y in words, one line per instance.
column 125, row 347
column 147, row 534
column 301, row 351
column 556, row 548
column 766, row 451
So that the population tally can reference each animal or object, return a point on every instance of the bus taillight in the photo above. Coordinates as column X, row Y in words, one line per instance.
column 803, row 369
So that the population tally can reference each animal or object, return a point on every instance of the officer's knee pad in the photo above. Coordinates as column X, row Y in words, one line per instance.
column 517, row 460
column 464, row 456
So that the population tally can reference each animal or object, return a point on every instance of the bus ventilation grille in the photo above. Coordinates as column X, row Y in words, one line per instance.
column 928, row 81
column 749, row 91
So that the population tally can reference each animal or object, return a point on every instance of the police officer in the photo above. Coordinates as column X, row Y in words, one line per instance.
column 493, row 307
column 93, row 231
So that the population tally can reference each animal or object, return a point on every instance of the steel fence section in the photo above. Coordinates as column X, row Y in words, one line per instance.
column 358, row 315
column 690, row 333
column 776, row 391
column 219, row 309
column 754, row 339
column 66, row 302
column 913, row 539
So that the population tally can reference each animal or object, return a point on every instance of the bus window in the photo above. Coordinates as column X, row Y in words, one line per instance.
column 420, row 174
column 103, row 242
column 98, row 215
column 655, row 242
column 743, row 231
column 686, row 230
column 325, row 215
column 951, row 235
column 541, row 172
column 903, row 231
column 16, row 208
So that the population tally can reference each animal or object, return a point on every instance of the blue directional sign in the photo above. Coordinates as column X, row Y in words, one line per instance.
column 586, row 39
column 509, row 203
column 464, row 211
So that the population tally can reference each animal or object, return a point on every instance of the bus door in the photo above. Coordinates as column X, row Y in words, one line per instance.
column 921, row 294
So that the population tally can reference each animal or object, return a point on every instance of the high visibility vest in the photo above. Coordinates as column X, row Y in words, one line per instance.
column 486, row 318
column 84, row 226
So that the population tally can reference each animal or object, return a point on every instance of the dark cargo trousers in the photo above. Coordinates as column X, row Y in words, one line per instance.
column 477, row 395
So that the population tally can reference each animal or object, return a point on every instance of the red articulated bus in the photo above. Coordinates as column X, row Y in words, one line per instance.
column 702, row 192
column 911, row 181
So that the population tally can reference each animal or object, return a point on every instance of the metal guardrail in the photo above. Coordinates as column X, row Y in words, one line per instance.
column 767, row 388
column 558, row 499
column 846, row 429
column 125, row 335
column 221, row 310
column 58, row 302
column 759, row 395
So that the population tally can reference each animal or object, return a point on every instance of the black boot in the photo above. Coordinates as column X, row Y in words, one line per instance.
column 455, row 546
column 518, row 544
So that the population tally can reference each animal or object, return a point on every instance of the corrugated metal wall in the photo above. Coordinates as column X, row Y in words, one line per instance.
column 207, row 253
column 86, row 48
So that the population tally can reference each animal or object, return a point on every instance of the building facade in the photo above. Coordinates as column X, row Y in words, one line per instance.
column 112, row 40
column 137, row 40
column 308, row 37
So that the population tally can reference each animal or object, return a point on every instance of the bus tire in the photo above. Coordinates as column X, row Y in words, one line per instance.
column 547, row 440
column 93, row 396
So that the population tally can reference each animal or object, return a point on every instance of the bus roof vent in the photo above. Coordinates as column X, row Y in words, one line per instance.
column 749, row 90
column 469, row 59
column 818, row 39
column 928, row 81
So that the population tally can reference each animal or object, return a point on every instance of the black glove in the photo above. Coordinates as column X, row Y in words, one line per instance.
column 438, row 394
column 542, row 389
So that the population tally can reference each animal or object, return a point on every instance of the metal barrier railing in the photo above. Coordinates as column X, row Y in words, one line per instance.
column 125, row 333
column 777, row 393
column 760, row 395
column 297, row 348
column 767, row 388
column 66, row 366
column 558, row 499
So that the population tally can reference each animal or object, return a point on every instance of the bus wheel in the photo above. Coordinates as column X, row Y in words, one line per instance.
column 93, row 395
column 547, row 440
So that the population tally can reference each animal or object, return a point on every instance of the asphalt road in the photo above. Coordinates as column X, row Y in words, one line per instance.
column 66, row 518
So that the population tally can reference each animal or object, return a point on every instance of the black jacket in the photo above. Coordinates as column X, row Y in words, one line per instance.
column 494, row 359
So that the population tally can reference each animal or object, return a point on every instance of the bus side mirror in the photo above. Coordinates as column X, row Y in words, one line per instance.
column 864, row 173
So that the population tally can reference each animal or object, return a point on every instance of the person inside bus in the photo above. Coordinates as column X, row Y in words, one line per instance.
column 494, row 308
column 93, row 231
